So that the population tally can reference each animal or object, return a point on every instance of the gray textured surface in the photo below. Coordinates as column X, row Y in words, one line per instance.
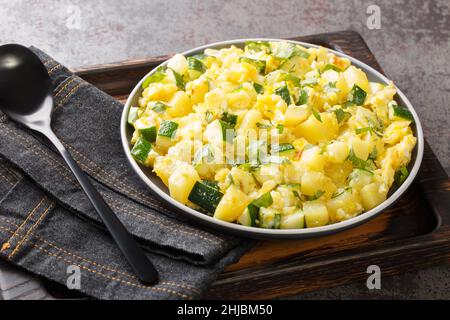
column 412, row 46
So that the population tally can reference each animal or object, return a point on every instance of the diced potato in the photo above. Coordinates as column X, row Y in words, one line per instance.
column 345, row 206
column 197, row 89
column 373, row 194
column 360, row 148
column 356, row 76
column 360, row 178
column 243, row 180
column 337, row 152
column 338, row 172
column 164, row 167
column 251, row 118
column 312, row 159
column 180, row 105
column 295, row 115
column 318, row 131
column 178, row 63
column 157, row 92
column 315, row 182
column 182, row 181
column 316, row 214
column 232, row 205
column 164, row 143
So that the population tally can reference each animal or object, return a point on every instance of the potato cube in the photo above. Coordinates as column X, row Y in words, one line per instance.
column 373, row 194
column 182, row 181
column 180, row 105
column 316, row 214
column 232, row 205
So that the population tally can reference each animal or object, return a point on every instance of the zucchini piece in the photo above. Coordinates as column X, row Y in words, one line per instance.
column 258, row 88
column 293, row 221
column 264, row 201
column 283, row 149
column 359, row 95
column 205, row 196
column 260, row 65
column 283, row 92
column 159, row 107
column 196, row 64
column 158, row 76
column 225, row 126
column 212, row 184
column 257, row 46
column 148, row 133
column 257, row 152
column 246, row 219
column 168, row 129
column 133, row 115
column 330, row 66
column 401, row 175
column 141, row 149
column 402, row 112
column 229, row 118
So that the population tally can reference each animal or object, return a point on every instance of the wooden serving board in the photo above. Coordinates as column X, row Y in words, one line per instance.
column 413, row 234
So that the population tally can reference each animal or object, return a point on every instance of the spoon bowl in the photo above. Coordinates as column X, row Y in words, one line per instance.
column 26, row 96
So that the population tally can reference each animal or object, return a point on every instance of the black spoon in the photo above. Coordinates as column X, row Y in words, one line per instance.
column 26, row 97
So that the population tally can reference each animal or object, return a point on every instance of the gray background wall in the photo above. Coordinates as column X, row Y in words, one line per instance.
column 412, row 46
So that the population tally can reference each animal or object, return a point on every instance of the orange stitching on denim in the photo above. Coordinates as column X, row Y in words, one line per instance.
column 57, row 166
column 129, row 275
column 30, row 213
column 30, row 231
column 181, row 285
column 68, row 96
column 6, row 179
column 58, row 66
column 56, row 94
column 172, row 292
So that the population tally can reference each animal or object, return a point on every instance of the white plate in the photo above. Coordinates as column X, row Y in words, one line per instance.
column 156, row 185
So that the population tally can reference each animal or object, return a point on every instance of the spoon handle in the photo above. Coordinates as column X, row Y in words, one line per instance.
column 141, row 265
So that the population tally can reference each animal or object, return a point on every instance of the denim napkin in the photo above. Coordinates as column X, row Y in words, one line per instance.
column 48, row 226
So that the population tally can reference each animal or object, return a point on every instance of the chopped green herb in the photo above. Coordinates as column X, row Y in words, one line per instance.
column 359, row 95
column 283, row 92
column 280, row 128
column 373, row 154
column 342, row 115
column 264, row 201
column 179, row 81
column 316, row 115
column 209, row 116
column 362, row 130
column 258, row 88
column 357, row 162
column 337, row 194
column 229, row 118
column 263, row 125
column 316, row 196
column 302, row 98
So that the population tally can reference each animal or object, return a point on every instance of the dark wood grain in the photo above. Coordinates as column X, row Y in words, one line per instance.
column 412, row 234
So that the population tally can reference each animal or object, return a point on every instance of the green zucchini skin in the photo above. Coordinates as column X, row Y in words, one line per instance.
column 148, row 134
column 205, row 196
column 133, row 115
column 402, row 113
column 141, row 149
column 168, row 129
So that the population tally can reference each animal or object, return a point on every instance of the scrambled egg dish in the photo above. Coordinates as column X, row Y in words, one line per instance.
column 274, row 135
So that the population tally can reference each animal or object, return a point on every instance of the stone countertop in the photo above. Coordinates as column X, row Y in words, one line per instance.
column 412, row 46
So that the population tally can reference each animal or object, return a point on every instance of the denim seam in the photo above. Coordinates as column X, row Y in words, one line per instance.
column 102, row 266
column 32, row 228
column 50, row 254
column 64, row 86
column 29, row 215
column 58, row 167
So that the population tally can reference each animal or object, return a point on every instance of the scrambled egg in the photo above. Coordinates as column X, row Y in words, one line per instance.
column 274, row 135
